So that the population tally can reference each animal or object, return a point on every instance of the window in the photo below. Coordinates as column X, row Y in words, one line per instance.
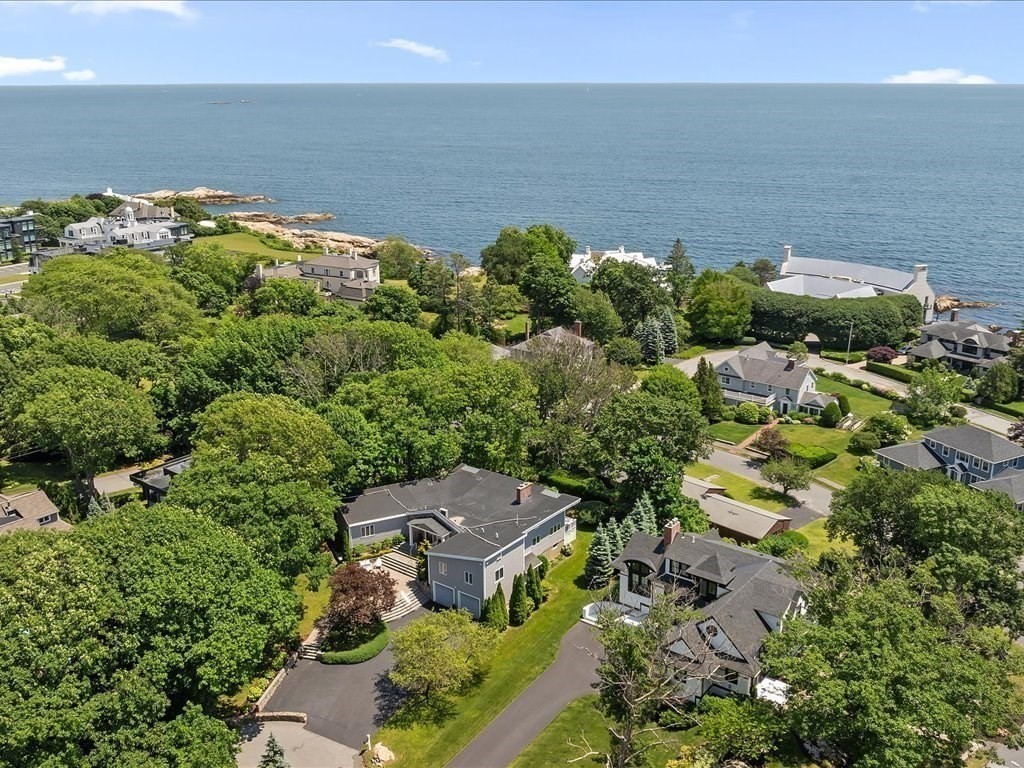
column 555, row 528
column 366, row 530
column 771, row 388
column 726, row 380
column 535, row 540
column 467, row 576
column 945, row 450
column 46, row 519
column 730, row 676
column 442, row 568
column 789, row 392
column 975, row 461
column 638, row 573
column 499, row 574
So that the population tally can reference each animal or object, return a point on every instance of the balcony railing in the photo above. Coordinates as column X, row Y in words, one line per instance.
column 749, row 397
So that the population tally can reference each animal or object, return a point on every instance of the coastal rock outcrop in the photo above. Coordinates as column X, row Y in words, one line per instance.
column 206, row 196
column 300, row 238
column 247, row 217
column 946, row 303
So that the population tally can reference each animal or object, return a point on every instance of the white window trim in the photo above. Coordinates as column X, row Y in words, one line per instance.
column 442, row 568
column 467, row 576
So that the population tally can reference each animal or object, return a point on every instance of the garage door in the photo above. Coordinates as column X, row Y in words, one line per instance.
column 444, row 595
column 470, row 603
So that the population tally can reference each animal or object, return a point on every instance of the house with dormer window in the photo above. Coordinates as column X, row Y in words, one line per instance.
column 766, row 377
column 960, row 344
column 741, row 596
column 968, row 454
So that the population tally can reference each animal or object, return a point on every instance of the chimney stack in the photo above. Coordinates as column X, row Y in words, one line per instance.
column 259, row 271
column 577, row 328
column 954, row 315
column 920, row 273
column 523, row 491
column 787, row 251
column 671, row 531
column 588, row 250
column 326, row 252
column 790, row 364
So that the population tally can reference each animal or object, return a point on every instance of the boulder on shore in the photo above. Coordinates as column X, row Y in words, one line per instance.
column 206, row 196
column 246, row 217
column 946, row 303
column 300, row 238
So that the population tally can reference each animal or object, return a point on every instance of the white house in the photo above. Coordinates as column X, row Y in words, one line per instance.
column 828, row 279
column 762, row 376
column 584, row 265
column 144, row 226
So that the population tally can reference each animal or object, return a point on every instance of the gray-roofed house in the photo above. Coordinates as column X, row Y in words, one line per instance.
column 741, row 595
column 743, row 522
column 155, row 481
column 960, row 344
column 30, row 511
column 483, row 528
column 765, row 377
column 968, row 454
column 345, row 276
column 143, row 226
column 828, row 278
column 556, row 336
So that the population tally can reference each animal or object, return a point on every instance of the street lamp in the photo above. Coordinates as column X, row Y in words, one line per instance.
column 849, row 341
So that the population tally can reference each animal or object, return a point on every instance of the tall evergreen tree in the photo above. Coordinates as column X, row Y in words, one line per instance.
column 643, row 517
column 496, row 613
column 615, row 542
column 273, row 756
column 652, row 346
column 533, row 587
column 669, row 338
column 627, row 528
column 519, row 607
column 711, row 400
column 598, row 570
column 681, row 274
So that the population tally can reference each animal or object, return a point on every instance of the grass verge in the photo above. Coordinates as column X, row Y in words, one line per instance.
column 733, row 431
column 740, row 488
column 314, row 603
column 820, row 542
column 523, row 653
column 243, row 242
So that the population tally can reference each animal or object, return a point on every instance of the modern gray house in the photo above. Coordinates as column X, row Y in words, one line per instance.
column 960, row 344
column 765, row 377
column 155, row 481
column 143, row 226
column 831, row 279
column 968, row 454
column 17, row 233
column 741, row 595
column 345, row 276
column 483, row 528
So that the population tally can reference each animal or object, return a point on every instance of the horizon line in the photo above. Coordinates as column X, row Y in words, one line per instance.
column 501, row 82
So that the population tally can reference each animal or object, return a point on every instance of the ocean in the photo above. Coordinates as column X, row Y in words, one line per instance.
column 888, row 175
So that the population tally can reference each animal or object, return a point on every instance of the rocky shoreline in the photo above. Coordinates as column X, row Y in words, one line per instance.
column 301, row 238
column 206, row 196
column 248, row 217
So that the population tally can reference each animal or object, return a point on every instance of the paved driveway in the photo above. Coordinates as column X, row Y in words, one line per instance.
column 813, row 503
column 302, row 748
column 572, row 674
column 342, row 702
column 689, row 367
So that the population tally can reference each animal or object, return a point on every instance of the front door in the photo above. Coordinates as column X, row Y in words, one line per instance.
column 784, row 407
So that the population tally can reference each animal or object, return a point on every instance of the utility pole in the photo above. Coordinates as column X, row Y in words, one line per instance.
column 849, row 341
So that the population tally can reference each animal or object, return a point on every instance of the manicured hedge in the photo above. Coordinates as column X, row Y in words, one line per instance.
column 879, row 321
column 891, row 371
column 360, row 653
column 814, row 455
column 1010, row 409
column 588, row 489
column 840, row 357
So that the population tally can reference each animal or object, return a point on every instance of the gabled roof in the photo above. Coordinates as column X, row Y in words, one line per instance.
column 763, row 365
column 480, row 504
column 341, row 261
column 26, row 511
column 821, row 287
column 915, row 455
column 142, row 211
column 557, row 335
column 965, row 330
column 1009, row 481
column 930, row 350
column 976, row 441
column 891, row 279
column 723, row 512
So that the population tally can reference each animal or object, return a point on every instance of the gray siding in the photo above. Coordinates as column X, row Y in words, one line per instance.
column 512, row 562
column 382, row 529
column 455, row 579
column 548, row 538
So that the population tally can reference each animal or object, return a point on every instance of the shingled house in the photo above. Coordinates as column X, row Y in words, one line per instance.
column 765, row 377
column 483, row 528
column 960, row 344
column 30, row 511
column 741, row 595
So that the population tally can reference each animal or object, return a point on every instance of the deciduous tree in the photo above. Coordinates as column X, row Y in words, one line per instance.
column 397, row 257
column 720, row 309
column 999, row 384
column 790, row 474
column 635, row 291
column 930, row 395
column 395, row 303
column 359, row 599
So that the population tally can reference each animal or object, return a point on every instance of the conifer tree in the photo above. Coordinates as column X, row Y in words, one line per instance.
column 533, row 587
column 711, row 400
column 627, row 528
column 519, row 607
column 652, row 346
column 615, row 542
column 496, row 614
column 273, row 756
column 598, row 570
column 669, row 333
column 643, row 516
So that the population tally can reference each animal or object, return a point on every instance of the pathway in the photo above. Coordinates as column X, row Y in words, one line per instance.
column 302, row 748
column 114, row 482
column 573, row 674
column 815, row 502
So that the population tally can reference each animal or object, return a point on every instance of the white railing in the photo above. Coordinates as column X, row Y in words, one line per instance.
column 751, row 397
column 593, row 611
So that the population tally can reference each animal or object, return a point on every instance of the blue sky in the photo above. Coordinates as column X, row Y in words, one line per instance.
column 185, row 41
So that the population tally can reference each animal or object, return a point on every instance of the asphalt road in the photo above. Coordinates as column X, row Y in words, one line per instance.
column 815, row 502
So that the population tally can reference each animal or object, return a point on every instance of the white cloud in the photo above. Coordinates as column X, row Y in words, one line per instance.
column 420, row 49
column 939, row 76
column 177, row 8
column 923, row 6
column 12, row 67
column 80, row 75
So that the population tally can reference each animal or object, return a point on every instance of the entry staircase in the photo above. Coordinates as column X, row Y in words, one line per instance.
column 408, row 601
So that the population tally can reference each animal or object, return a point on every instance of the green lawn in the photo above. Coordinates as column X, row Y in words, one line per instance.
column 19, row 476
column 733, row 432
column 581, row 719
column 313, row 603
column 243, row 242
column 863, row 404
column 815, row 533
column 697, row 350
column 522, row 654
column 516, row 326
column 740, row 488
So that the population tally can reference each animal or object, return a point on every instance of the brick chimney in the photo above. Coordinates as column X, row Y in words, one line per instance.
column 671, row 531
column 523, row 491
column 790, row 364
column 577, row 328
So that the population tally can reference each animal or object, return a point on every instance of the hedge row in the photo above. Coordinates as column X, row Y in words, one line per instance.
column 360, row 653
column 891, row 371
column 1010, row 409
column 814, row 455
column 840, row 357
column 587, row 488
column 879, row 321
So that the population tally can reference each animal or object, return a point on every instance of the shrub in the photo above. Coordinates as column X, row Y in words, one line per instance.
column 785, row 544
column 831, row 415
column 624, row 351
column 747, row 413
column 957, row 412
column 587, row 488
column 729, row 413
column 882, row 354
column 748, row 341
column 772, row 442
column 844, row 404
column 840, row 357
column 889, row 427
column 544, row 567
column 360, row 653
column 891, row 371
column 764, row 415
column 865, row 442
column 814, row 455
column 566, row 550
column 746, row 729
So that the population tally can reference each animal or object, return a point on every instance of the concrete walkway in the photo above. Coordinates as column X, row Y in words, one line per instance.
column 571, row 675
column 813, row 503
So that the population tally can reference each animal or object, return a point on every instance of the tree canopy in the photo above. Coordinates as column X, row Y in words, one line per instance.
column 505, row 260
column 720, row 307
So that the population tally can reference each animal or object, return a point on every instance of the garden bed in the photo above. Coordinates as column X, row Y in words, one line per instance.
column 363, row 648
